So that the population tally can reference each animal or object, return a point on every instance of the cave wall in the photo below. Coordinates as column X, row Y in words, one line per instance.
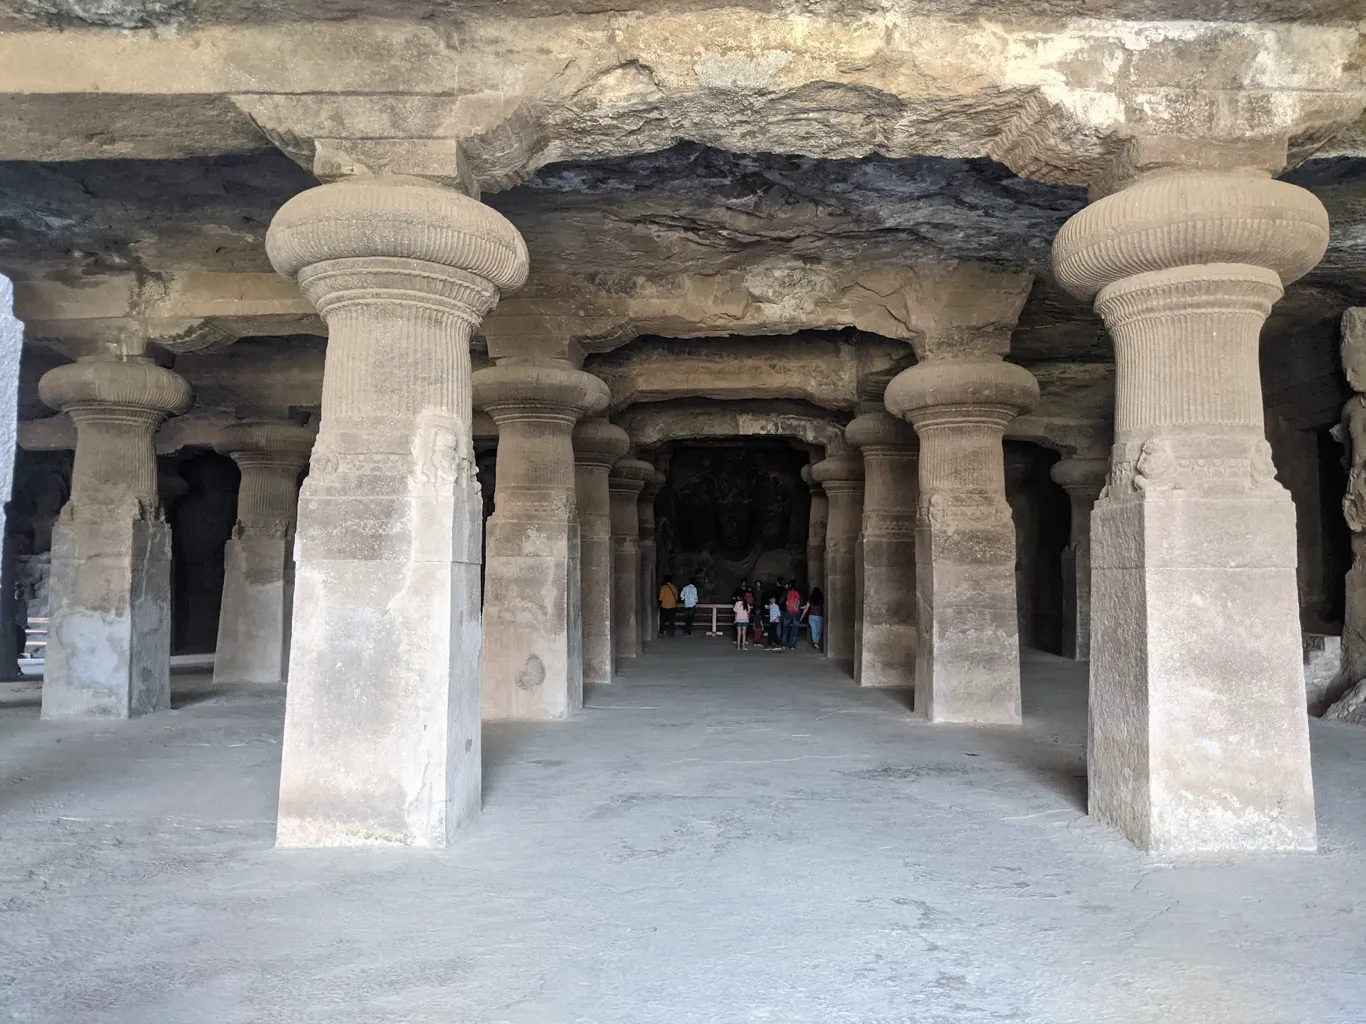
column 733, row 513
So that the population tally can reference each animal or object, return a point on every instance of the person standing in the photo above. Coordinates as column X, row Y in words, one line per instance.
column 668, row 605
column 773, row 642
column 791, row 615
column 741, row 621
column 689, row 599
column 815, row 615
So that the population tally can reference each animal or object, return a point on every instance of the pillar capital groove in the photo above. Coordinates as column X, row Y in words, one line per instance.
column 979, row 390
column 839, row 472
column 267, row 442
column 1081, row 477
column 880, row 429
column 103, row 387
column 599, row 442
column 630, row 475
column 1184, row 219
column 516, row 391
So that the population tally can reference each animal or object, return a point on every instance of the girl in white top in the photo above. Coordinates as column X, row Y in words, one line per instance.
column 741, row 623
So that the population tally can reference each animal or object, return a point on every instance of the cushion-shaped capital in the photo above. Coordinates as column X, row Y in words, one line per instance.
column 989, row 385
column 509, row 391
column 598, row 441
column 838, row 469
column 1179, row 220
column 631, row 474
column 880, row 429
column 1080, row 476
column 130, row 384
column 285, row 441
column 406, row 218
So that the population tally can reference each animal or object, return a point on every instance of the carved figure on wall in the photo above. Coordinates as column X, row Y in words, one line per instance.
column 1350, row 686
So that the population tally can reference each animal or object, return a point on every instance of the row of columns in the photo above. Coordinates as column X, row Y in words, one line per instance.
column 1197, row 735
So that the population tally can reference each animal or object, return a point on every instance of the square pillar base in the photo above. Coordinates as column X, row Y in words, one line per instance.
column 253, row 625
column 887, row 623
column 968, row 668
column 109, row 641
column 382, row 735
column 1199, row 740
column 532, row 667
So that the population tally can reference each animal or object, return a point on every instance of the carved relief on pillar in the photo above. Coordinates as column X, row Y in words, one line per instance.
column 117, row 406
column 598, row 445
column 968, row 670
column 390, row 518
column 533, row 662
column 270, row 455
column 1198, row 736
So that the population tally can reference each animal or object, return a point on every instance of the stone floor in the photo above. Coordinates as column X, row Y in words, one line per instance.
column 721, row 837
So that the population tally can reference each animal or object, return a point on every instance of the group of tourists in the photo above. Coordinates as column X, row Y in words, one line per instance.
column 773, row 615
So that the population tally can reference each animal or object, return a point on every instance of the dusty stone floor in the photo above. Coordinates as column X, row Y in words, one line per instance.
column 722, row 837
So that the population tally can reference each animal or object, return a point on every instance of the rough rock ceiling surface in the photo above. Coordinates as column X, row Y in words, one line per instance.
column 132, row 14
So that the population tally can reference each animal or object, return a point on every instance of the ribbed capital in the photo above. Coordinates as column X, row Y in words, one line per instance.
column 1187, row 219
column 838, row 471
column 135, row 385
column 404, row 218
column 653, row 486
column 988, row 390
column 630, row 475
column 1081, row 477
column 598, row 442
column 273, row 440
column 880, row 429
column 530, row 391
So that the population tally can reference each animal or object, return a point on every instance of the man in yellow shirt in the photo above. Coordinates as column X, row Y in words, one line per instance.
column 668, row 605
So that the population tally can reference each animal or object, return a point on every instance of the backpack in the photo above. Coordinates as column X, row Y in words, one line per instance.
column 794, row 601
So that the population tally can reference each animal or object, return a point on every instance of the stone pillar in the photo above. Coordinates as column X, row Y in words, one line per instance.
column 1082, row 479
column 533, row 655
column 815, row 533
column 11, row 349
column 841, row 477
column 625, row 483
column 968, row 668
column 382, row 737
column 1198, row 733
column 1019, row 470
column 258, row 561
column 891, row 488
column 649, row 563
column 598, row 445
column 109, row 638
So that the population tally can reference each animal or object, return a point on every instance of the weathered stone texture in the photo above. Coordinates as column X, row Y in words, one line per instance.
column 1198, row 735
column 969, row 656
column 628, row 477
column 887, row 619
column 533, row 657
column 254, row 620
column 598, row 445
column 382, row 734
column 109, row 641
column 841, row 477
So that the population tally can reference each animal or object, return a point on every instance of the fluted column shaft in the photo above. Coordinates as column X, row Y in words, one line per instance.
column 841, row 477
column 1198, row 738
column 627, row 479
column 598, row 445
column 258, row 561
column 885, row 654
column 1082, row 479
column 109, row 638
column 968, row 665
column 817, row 520
column 533, row 653
column 382, row 735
